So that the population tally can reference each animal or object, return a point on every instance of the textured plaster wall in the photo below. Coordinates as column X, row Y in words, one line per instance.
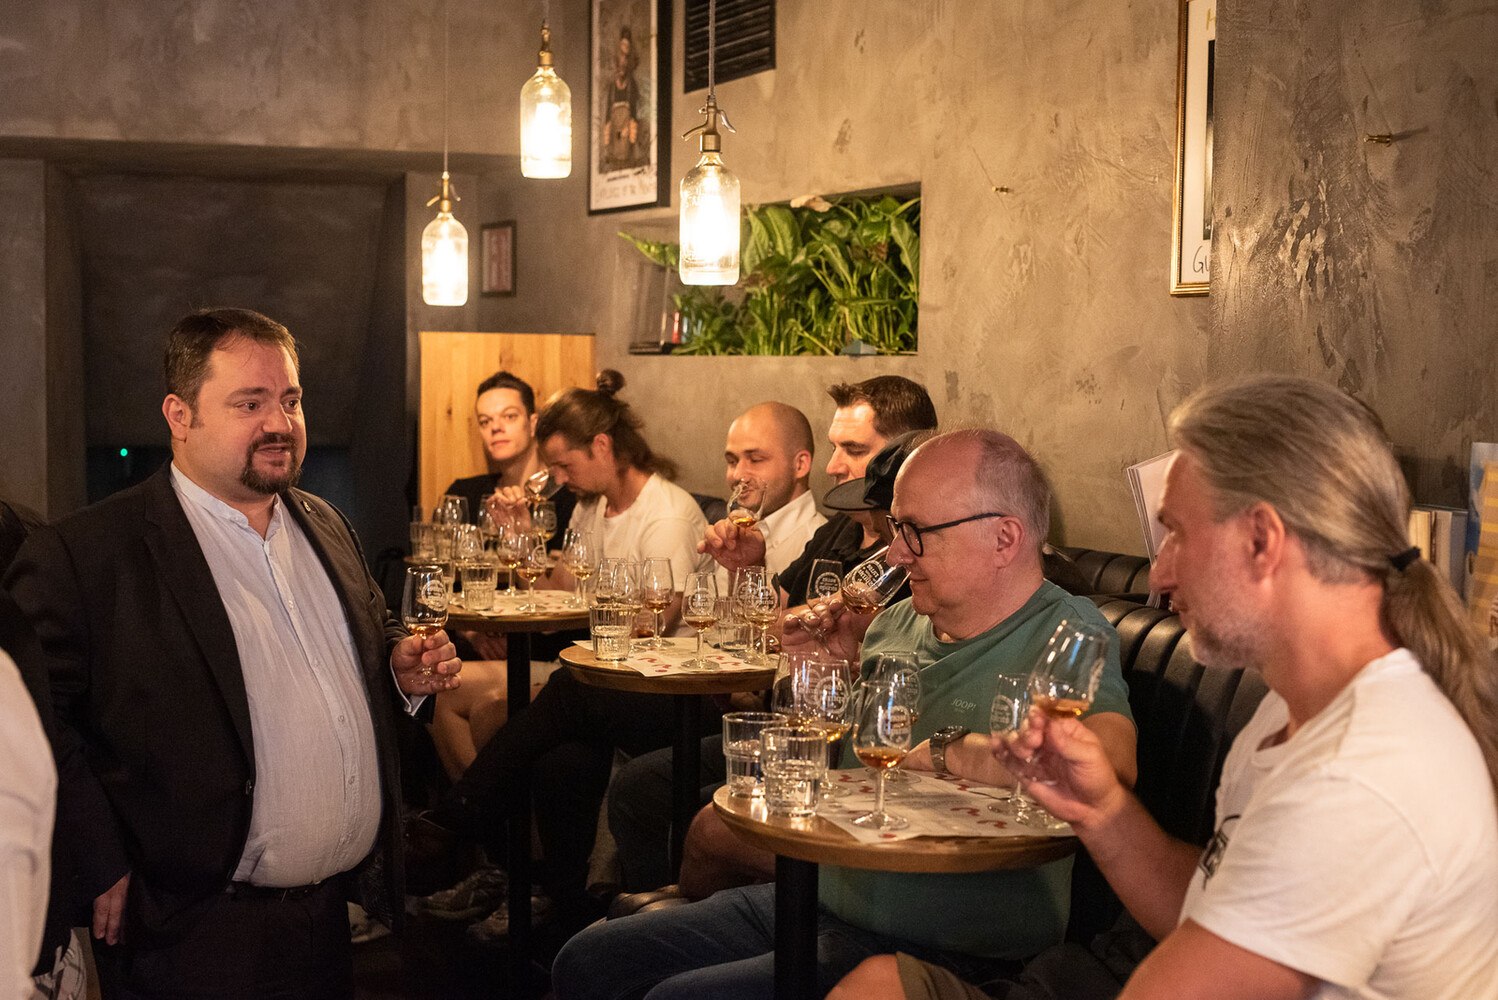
column 1372, row 266
column 333, row 74
column 1042, row 135
column 23, row 336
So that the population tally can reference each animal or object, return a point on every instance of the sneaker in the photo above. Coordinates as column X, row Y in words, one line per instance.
column 495, row 928
column 471, row 898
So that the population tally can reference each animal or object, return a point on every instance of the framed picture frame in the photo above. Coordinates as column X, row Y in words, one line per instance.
column 1191, row 244
column 629, row 105
column 497, row 258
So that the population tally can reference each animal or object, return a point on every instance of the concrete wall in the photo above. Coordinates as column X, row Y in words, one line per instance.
column 23, row 336
column 1041, row 135
column 1374, row 266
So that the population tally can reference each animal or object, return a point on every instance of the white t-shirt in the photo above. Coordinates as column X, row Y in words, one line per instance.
column 1362, row 851
column 28, row 790
column 663, row 522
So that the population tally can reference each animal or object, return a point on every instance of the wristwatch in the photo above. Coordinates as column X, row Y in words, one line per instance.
column 940, row 740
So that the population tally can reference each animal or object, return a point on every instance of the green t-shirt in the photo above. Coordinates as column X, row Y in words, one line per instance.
column 1007, row 914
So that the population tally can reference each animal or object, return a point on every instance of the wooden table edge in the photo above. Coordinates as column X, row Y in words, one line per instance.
column 835, row 846
column 588, row 670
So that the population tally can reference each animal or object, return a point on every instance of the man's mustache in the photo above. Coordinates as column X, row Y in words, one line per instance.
column 273, row 439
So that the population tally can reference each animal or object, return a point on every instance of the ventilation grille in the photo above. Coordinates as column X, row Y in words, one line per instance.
column 746, row 40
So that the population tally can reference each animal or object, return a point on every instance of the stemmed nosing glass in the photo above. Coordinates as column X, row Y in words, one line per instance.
column 1062, row 685
column 580, row 556
column 699, row 609
column 759, row 604
column 657, row 588
column 532, row 562
column 815, row 689
column 747, row 502
column 540, row 486
column 899, row 669
column 881, row 739
column 869, row 586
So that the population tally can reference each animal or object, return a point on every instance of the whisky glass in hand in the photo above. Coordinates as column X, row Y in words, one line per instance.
column 424, row 602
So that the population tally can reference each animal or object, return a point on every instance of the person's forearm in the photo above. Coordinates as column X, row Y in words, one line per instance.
column 1148, row 869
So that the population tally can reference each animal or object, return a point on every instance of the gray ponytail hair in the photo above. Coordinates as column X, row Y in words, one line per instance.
column 1322, row 460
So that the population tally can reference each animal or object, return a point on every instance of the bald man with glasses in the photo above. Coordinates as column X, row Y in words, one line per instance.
column 969, row 517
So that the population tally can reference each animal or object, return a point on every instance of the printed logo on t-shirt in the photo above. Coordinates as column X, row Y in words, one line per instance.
column 964, row 706
column 1216, row 848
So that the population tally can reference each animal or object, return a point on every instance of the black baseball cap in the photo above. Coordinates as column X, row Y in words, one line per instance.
column 876, row 490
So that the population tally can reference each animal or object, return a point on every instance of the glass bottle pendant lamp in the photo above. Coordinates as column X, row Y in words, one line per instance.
column 444, row 242
column 710, row 192
column 545, row 119
column 710, row 213
column 444, row 254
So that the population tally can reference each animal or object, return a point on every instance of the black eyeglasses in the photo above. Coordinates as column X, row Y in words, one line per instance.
column 912, row 534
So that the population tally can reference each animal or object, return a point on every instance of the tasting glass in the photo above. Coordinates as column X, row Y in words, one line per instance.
column 533, row 562
column 424, row 602
column 580, row 555
column 699, row 609
column 656, row 590
column 759, row 603
column 881, row 739
column 900, row 668
column 814, row 689
column 1011, row 700
column 746, row 503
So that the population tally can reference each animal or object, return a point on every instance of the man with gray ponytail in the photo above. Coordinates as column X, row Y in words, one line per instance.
column 1356, row 851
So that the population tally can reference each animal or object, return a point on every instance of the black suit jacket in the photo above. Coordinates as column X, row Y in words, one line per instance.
column 149, row 695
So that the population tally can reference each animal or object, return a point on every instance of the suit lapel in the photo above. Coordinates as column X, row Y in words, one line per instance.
column 185, row 574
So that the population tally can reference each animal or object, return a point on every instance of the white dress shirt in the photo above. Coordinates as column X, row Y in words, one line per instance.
column 316, row 807
column 786, row 533
column 28, row 790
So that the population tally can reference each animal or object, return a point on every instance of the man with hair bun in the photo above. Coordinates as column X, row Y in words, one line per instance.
column 1356, row 851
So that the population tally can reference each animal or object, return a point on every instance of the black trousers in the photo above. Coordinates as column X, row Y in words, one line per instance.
column 640, row 811
column 242, row 947
column 565, row 743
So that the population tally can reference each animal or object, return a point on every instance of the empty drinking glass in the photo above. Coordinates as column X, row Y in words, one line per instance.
column 741, row 750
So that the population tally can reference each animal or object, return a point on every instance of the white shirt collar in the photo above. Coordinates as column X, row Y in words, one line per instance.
column 214, row 507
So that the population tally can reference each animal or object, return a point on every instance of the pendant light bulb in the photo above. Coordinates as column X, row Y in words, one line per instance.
column 710, row 192
column 444, row 254
column 545, row 119
column 710, row 217
column 444, row 242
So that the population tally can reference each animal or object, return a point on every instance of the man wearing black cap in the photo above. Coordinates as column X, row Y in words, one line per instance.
column 869, row 414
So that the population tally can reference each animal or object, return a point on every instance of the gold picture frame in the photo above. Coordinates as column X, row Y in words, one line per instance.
column 1191, row 232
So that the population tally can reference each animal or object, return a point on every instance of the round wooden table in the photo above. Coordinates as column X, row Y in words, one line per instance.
column 686, row 689
column 518, row 626
column 800, row 845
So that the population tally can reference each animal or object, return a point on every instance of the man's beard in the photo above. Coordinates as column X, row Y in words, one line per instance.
column 271, row 485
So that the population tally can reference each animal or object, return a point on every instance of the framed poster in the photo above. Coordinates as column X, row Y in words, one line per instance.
column 1191, row 251
column 497, row 258
column 629, row 105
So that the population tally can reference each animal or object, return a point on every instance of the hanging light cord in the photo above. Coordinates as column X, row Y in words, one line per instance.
column 446, row 46
column 712, row 48
column 710, row 109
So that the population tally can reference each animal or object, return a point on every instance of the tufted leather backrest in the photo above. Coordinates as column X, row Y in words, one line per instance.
column 1111, row 572
column 1186, row 717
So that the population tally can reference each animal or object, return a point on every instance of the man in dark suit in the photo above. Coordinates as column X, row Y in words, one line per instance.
column 223, row 664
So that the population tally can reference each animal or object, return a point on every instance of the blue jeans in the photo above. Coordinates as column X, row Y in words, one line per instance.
column 722, row 947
